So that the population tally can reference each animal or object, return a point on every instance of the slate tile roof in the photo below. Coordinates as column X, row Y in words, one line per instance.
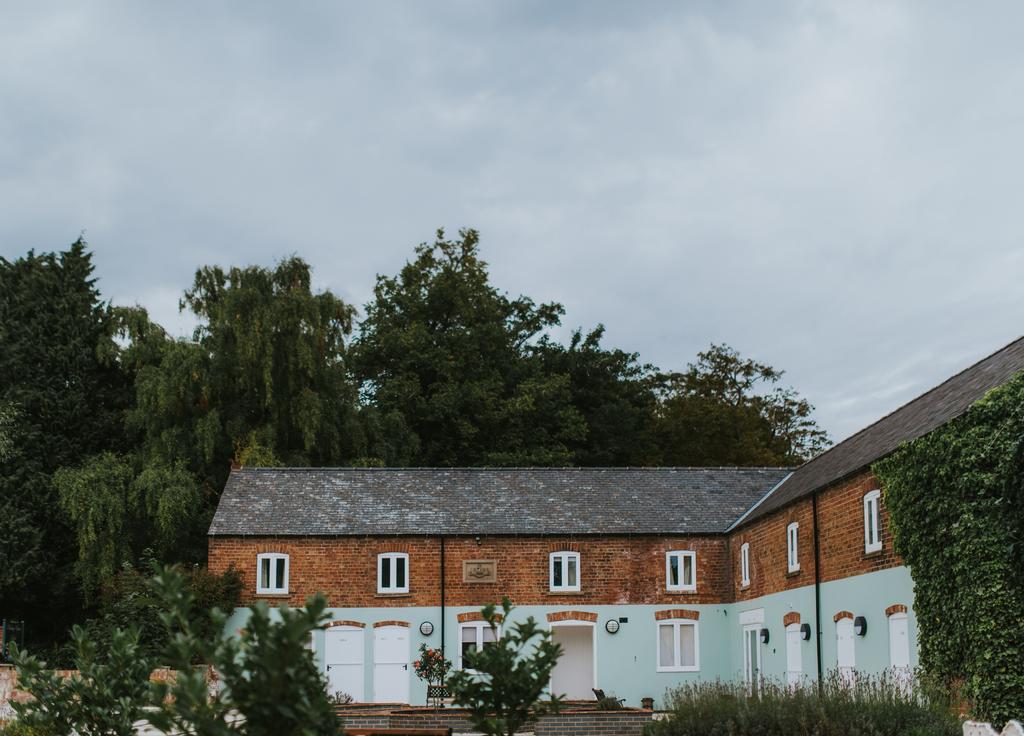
column 470, row 501
column 948, row 400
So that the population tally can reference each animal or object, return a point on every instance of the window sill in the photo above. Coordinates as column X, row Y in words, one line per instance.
column 873, row 553
column 687, row 591
column 564, row 592
column 273, row 595
column 393, row 595
column 678, row 669
column 793, row 573
column 744, row 586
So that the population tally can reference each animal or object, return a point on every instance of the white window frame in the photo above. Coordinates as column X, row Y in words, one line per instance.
column 872, row 521
column 563, row 557
column 683, row 555
column 479, row 626
column 745, row 564
column 276, row 587
column 792, row 547
column 390, row 559
column 676, row 624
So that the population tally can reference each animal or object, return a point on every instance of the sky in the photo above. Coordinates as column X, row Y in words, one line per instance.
column 833, row 188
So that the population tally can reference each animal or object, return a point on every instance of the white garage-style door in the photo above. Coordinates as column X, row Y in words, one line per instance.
column 391, row 664
column 343, row 655
column 794, row 665
column 845, row 651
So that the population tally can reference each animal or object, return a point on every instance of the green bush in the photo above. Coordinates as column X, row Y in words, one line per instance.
column 872, row 706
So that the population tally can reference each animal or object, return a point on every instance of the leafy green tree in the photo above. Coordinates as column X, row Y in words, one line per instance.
column 269, row 679
column 730, row 410
column 266, row 369
column 118, row 512
column 7, row 418
column 110, row 692
column 613, row 392
column 446, row 350
column 55, row 343
column 512, row 675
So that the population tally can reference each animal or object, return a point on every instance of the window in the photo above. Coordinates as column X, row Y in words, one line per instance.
column 474, row 636
column 678, row 647
column 393, row 573
column 872, row 532
column 681, row 571
column 792, row 555
column 745, row 564
column 565, row 571
column 272, row 573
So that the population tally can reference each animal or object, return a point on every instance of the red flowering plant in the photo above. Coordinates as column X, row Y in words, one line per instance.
column 433, row 668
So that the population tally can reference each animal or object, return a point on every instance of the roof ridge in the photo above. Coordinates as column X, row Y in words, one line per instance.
column 905, row 404
column 532, row 468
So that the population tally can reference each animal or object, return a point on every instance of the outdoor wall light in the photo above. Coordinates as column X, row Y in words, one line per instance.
column 860, row 626
column 805, row 632
column 426, row 628
column 764, row 636
column 611, row 626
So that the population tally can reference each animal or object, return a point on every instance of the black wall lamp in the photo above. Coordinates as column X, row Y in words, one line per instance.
column 860, row 626
column 764, row 636
column 805, row 632
column 426, row 628
column 611, row 626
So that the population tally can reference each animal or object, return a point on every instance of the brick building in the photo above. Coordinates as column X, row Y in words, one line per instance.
column 648, row 577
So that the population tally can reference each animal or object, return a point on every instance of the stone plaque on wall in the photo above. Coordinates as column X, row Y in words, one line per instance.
column 480, row 571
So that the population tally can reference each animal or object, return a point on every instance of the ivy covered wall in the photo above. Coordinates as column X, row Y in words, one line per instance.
column 956, row 504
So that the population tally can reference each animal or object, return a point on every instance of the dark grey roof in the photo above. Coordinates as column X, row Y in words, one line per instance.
column 946, row 401
column 470, row 501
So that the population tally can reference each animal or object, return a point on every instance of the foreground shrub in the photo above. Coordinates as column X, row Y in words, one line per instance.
column 504, row 682
column 872, row 706
column 270, row 685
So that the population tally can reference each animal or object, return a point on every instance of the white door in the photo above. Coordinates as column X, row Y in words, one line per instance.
column 899, row 646
column 794, row 665
column 391, row 664
column 752, row 657
column 343, row 655
column 845, row 658
column 573, row 675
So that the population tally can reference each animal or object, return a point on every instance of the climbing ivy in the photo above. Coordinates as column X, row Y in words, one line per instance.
column 955, row 503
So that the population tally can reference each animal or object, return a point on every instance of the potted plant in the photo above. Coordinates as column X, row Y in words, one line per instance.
column 433, row 668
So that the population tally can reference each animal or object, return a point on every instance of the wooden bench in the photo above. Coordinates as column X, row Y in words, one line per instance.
column 398, row 732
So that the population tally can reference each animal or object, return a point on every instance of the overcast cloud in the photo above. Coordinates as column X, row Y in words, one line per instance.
column 834, row 188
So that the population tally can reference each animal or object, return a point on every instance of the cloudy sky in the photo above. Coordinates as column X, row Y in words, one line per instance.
column 834, row 188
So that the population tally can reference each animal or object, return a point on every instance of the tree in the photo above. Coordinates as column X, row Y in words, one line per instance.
column 108, row 695
column 512, row 676
column 7, row 418
column 118, row 512
column 270, row 682
column 55, row 343
column 730, row 410
column 613, row 392
column 266, row 367
column 441, row 347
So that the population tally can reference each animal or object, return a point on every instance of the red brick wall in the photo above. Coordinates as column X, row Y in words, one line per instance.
column 614, row 570
column 841, row 520
column 768, row 560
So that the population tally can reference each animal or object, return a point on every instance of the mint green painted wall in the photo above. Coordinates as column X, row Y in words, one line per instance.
column 626, row 661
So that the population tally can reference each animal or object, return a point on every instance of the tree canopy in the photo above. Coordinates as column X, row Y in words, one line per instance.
column 119, row 436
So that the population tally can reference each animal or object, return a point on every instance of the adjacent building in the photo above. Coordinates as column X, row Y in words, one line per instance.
column 648, row 577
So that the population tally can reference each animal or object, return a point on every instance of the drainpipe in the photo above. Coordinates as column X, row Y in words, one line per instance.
column 442, row 598
column 817, row 584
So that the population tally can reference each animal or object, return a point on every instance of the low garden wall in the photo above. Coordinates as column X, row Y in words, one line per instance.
column 625, row 722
